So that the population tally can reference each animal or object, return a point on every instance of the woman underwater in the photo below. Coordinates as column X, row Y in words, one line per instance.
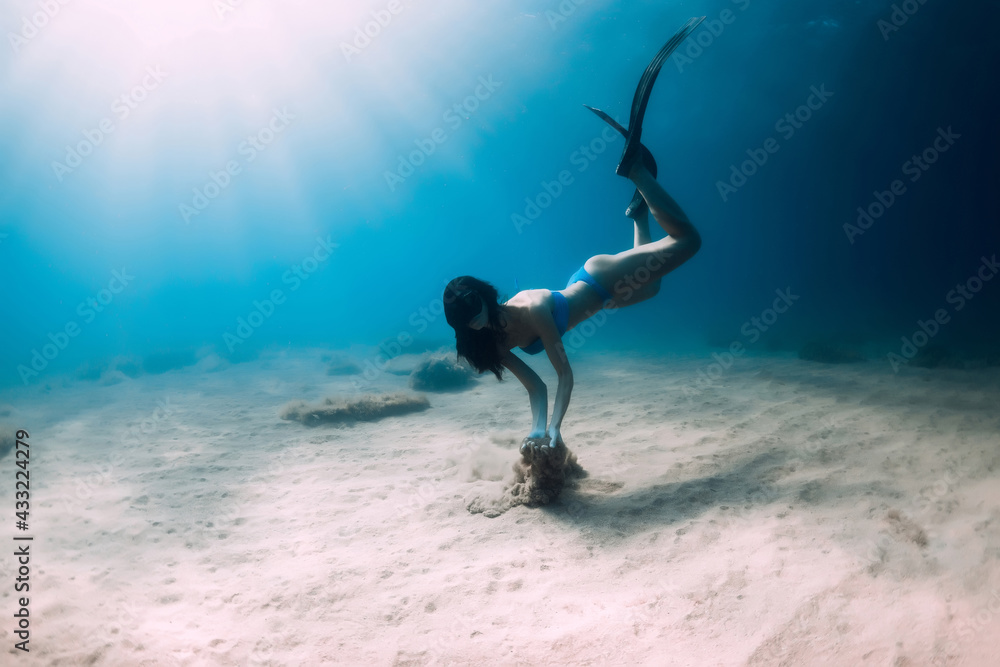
column 486, row 331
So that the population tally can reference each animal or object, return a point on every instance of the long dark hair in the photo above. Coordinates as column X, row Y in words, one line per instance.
column 463, row 299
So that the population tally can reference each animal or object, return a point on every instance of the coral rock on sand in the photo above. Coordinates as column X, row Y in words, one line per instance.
column 342, row 367
column 369, row 407
column 440, row 373
column 340, row 364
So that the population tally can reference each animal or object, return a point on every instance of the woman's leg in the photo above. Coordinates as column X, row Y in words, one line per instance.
column 642, row 228
column 665, row 210
column 634, row 275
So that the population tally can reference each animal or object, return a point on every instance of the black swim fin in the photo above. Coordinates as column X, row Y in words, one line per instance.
column 633, row 145
column 638, row 204
column 643, row 91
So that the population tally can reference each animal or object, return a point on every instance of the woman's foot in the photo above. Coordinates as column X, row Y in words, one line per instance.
column 639, row 157
column 639, row 173
column 638, row 204
column 636, row 207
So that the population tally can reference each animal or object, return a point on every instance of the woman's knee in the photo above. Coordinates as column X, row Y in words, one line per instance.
column 691, row 244
column 662, row 261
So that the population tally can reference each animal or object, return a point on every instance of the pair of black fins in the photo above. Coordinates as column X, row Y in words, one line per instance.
column 633, row 147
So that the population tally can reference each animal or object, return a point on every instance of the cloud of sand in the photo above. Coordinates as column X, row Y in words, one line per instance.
column 483, row 459
column 369, row 407
column 541, row 474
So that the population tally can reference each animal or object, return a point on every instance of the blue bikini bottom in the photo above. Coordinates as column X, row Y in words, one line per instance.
column 582, row 274
column 560, row 307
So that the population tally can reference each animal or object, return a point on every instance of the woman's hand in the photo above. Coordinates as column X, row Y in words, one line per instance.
column 533, row 441
column 541, row 443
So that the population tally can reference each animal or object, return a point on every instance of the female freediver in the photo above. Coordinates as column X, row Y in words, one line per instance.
column 486, row 331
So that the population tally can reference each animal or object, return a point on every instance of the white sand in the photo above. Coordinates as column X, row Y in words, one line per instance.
column 789, row 514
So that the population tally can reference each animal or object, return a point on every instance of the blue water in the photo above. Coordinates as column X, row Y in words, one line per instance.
column 190, row 165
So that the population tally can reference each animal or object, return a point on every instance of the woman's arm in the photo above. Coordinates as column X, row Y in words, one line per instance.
column 557, row 355
column 537, row 391
column 547, row 331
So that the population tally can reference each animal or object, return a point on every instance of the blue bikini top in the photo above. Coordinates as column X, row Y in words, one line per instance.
column 560, row 312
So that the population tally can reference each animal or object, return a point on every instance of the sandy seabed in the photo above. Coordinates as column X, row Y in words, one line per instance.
column 786, row 513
